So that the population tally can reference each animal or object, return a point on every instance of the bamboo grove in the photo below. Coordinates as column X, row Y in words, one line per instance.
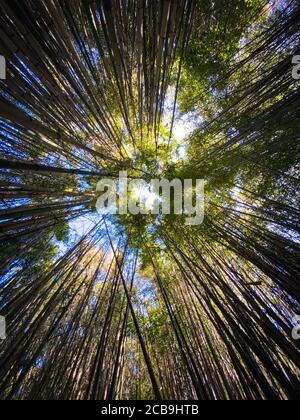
column 145, row 307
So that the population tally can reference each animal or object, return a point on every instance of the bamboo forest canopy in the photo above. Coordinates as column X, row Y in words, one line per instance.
column 146, row 307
